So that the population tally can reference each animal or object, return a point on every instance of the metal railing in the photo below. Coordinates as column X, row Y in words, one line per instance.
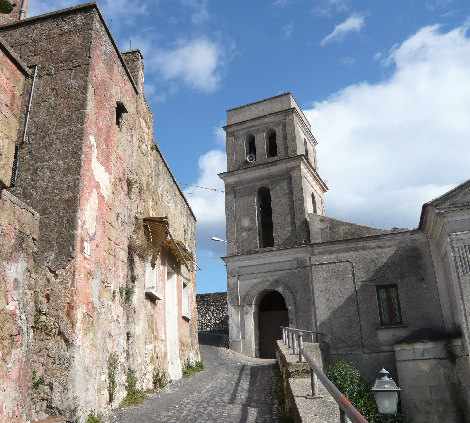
column 293, row 338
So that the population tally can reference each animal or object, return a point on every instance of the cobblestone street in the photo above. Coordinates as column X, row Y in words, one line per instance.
column 231, row 389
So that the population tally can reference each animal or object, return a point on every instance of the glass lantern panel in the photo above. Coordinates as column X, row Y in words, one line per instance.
column 387, row 402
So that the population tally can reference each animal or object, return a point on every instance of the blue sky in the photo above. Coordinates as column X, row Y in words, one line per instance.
column 385, row 85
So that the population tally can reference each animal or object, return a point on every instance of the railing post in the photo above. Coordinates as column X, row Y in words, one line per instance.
column 289, row 334
column 343, row 418
column 294, row 347
column 314, row 385
column 301, row 344
column 284, row 338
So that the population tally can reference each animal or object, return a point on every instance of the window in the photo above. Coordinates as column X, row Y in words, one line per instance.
column 314, row 204
column 151, row 269
column 306, row 149
column 185, row 302
column 265, row 219
column 272, row 144
column 389, row 305
column 251, row 148
column 120, row 110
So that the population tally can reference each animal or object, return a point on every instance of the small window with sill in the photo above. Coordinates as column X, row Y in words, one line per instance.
column 389, row 305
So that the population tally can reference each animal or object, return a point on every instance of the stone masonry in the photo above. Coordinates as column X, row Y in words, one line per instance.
column 103, row 294
column 212, row 311
column 396, row 298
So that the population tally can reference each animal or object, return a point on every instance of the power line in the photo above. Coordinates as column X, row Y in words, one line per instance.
column 199, row 186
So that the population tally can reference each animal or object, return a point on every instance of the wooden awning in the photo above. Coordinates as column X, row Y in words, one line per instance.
column 160, row 236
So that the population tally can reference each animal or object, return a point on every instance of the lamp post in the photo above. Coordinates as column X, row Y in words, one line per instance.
column 386, row 394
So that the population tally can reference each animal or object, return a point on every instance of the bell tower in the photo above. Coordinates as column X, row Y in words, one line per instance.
column 19, row 11
column 272, row 181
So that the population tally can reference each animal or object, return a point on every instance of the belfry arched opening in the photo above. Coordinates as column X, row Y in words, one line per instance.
column 272, row 314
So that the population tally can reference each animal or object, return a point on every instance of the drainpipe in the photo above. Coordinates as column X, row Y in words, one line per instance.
column 24, row 7
column 29, row 104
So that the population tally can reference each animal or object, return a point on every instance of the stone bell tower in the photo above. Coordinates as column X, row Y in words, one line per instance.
column 20, row 9
column 272, row 181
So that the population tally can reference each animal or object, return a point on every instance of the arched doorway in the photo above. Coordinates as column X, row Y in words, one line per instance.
column 272, row 314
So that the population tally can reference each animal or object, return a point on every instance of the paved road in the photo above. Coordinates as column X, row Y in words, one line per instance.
column 231, row 389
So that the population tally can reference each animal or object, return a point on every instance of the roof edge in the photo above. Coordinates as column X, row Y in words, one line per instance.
column 69, row 10
column 5, row 47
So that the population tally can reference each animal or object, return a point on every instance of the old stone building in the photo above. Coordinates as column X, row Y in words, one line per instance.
column 396, row 299
column 97, row 241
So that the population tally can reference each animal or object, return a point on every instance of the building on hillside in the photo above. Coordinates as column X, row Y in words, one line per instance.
column 396, row 299
column 97, row 241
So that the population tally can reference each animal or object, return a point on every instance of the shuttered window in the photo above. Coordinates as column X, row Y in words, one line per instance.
column 389, row 305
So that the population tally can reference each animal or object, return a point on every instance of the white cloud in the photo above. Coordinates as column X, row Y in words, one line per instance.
column 196, row 62
column 201, row 12
column 209, row 205
column 353, row 24
column 280, row 3
column 348, row 61
column 219, row 134
column 328, row 7
column 387, row 148
column 287, row 30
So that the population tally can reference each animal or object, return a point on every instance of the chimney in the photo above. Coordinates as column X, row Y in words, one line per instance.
column 20, row 8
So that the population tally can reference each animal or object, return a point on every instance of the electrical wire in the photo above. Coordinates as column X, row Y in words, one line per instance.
column 201, row 187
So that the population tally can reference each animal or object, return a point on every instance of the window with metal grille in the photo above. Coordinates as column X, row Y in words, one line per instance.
column 389, row 305
column 14, row 169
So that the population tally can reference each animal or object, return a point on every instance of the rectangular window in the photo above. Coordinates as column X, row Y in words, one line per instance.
column 389, row 305
column 185, row 302
column 151, row 280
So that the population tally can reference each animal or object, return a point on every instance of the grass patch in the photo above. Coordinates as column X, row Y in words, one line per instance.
column 94, row 419
column 285, row 416
column 134, row 396
column 36, row 381
column 192, row 369
column 159, row 380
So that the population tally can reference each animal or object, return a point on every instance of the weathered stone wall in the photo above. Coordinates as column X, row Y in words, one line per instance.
column 19, row 232
column 12, row 76
column 212, row 313
column 345, row 275
column 427, row 374
column 125, row 179
column 95, row 181
column 59, row 46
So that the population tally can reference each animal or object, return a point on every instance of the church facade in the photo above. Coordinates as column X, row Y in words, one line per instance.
column 396, row 299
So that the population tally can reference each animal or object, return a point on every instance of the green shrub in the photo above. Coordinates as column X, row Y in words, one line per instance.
column 134, row 396
column 192, row 369
column 94, row 419
column 356, row 389
column 159, row 379
column 36, row 381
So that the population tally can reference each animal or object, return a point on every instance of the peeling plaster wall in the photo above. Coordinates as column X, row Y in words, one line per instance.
column 11, row 91
column 124, row 179
column 91, row 321
column 19, row 228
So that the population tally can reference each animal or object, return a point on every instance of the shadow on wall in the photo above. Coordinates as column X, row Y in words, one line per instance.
column 347, row 305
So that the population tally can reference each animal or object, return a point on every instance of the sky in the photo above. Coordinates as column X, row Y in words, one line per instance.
column 385, row 85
